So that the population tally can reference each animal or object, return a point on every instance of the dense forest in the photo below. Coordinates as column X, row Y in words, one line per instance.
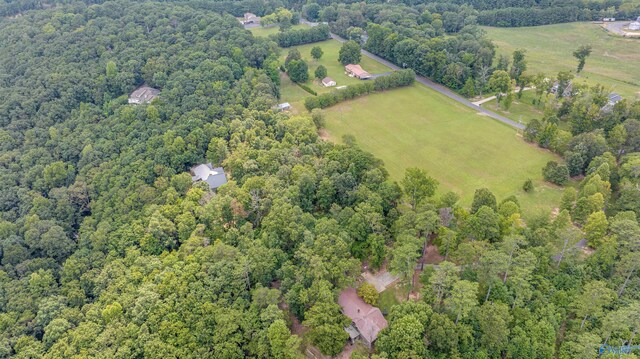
column 107, row 248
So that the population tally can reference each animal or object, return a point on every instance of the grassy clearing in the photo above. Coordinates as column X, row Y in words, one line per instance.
column 329, row 59
column 522, row 109
column 266, row 31
column 613, row 62
column 389, row 297
column 418, row 127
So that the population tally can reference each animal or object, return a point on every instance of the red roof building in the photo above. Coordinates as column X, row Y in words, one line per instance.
column 357, row 71
column 367, row 319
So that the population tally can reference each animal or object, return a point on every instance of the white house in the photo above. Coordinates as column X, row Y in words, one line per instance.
column 328, row 82
column 285, row 106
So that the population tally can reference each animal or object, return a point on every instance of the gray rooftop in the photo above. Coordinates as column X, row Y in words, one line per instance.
column 143, row 94
column 614, row 97
column 215, row 177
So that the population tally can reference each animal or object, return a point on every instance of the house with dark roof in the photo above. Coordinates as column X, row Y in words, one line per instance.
column 357, row 71
column 366, row 320
column 214, row 177
column 143, row 94
column 613, row 99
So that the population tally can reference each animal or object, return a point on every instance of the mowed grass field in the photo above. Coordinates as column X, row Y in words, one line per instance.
column 613, row 62
column 418, row 127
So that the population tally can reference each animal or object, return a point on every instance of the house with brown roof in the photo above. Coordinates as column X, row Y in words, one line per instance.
column 366, row 320
column 357, row 71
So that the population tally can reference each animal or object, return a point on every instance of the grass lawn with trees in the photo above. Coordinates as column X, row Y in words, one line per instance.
column 522, row 109
column 329, row 59
column 613, row 61
column 417, row 127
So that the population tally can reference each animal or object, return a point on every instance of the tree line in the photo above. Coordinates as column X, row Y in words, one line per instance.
column 303, row 36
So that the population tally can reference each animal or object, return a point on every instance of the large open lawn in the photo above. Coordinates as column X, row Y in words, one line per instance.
column 613, row 62
column 418, row 127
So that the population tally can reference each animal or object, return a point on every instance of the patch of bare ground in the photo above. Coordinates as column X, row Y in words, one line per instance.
column 324, row 134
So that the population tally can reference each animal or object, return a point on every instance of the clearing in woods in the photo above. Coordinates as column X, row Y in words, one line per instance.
column 418, row 127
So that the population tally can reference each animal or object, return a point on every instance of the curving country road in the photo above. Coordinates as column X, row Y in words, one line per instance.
column 432, row 85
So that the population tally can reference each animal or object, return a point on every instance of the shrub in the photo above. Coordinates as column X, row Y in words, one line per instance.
column 307, row 88
column 368, row 293
column 528, row 185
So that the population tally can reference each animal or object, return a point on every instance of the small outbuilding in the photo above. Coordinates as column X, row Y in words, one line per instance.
column 328, row 82
column 143, row 94
column 635, row 26
column 357, row 71
column 366, row 320
column 214, row 177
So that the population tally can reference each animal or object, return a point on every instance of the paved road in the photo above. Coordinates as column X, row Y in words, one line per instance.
column 432, row 85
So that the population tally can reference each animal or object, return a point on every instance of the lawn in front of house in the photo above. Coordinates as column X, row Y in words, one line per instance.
column 335, row 69
column 418, row 127
column 522, row 110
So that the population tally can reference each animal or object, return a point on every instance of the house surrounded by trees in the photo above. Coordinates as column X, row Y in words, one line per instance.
column 366, row 320
column 250, row 18
column 143, row 94
column 215, row 177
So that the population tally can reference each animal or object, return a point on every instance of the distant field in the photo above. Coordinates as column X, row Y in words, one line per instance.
column 614, row 61
column 463, row 150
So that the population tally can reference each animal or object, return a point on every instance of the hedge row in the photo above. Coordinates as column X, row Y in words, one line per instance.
column 307, row 88
column 393, row 80
column 299, row 37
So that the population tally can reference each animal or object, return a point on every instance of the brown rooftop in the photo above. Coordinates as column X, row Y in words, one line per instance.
column 367, row 319
column 357, row 71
